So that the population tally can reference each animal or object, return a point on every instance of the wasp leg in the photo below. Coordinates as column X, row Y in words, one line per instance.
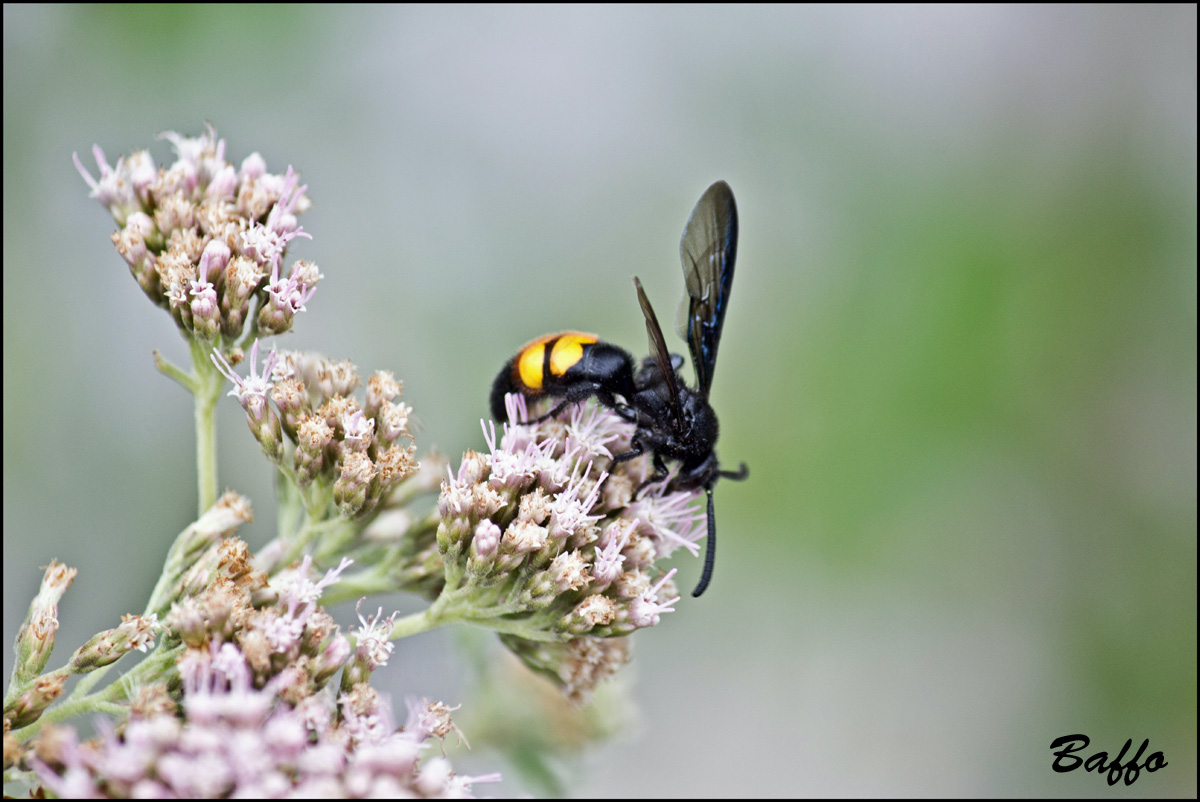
column 635, row 450
column 739, row 475
column 626, row 412
column 582, row 392
column 660, row 473
column 552, row 413
column 577, row 394
column 607, row 399
column 710, row 548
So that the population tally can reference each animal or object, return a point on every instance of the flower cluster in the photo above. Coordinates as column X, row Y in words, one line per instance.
column 275, row 624
column 230, row 736
column 206, row 240
column 248, row 707
column 336, row 448
column 202, row 554
column 553, row 545
column 249, row 687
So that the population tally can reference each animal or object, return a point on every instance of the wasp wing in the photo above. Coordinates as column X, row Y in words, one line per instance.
column 658, row 349
column 708, row 250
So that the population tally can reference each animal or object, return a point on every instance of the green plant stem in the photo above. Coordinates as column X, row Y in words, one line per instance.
column 208, row 385
column 172, row 371
column 461, row 606
column 415, row 624
column 310, row 531
column 355, row 586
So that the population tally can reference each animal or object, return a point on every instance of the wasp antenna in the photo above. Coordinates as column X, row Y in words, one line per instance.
column 710, row 549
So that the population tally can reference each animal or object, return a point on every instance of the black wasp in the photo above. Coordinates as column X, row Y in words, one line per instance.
column 674, row 422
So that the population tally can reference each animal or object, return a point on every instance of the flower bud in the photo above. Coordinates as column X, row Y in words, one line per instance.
column 355, row 472
column 135, row 632
column 35, row 640
column 29, row 706
column 330, row 659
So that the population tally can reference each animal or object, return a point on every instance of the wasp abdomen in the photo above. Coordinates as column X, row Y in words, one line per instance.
column 570, row 365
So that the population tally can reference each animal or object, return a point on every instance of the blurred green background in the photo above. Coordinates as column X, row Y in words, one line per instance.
column 960, row 355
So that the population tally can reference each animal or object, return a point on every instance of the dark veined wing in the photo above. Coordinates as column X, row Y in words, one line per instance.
column 658, row 349
column 708, row 250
